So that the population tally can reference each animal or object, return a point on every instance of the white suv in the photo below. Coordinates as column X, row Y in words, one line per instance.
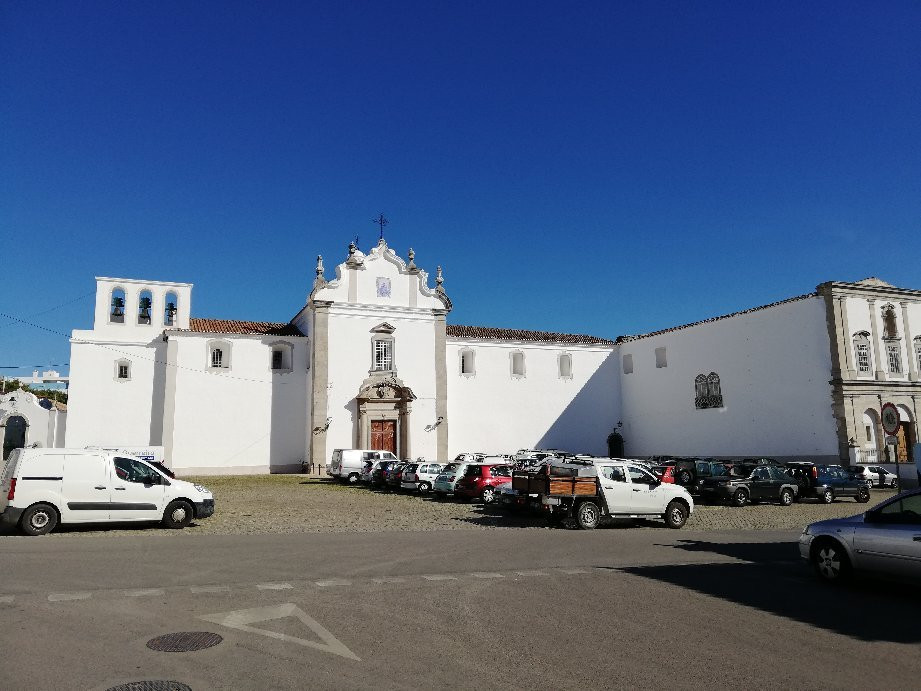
column 420, row 476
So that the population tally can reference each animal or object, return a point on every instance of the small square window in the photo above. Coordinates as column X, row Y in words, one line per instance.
column 123, row 370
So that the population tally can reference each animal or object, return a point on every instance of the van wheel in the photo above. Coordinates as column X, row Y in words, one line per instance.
column 38, row 519
column 588, row 515
column 786, row 497
column 353, row 478
column 676, row 514
column 178, row 514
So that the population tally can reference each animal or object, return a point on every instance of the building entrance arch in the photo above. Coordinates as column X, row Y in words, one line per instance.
column 14, row 434
column 384, row 408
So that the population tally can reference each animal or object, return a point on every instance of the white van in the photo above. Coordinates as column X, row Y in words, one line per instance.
column 41, row 488
column 347, row 464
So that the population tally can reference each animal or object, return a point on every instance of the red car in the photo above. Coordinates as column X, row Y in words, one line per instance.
column 665, row 473
column 481, row 479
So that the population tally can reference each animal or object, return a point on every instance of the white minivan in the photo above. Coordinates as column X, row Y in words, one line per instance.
column 347, row 464
column 41, row 488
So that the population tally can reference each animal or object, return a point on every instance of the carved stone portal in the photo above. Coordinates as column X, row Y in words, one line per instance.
column 383, row 396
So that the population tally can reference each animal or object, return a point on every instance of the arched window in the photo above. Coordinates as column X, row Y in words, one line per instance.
column 170, row 309
column 564, row 363
column 918, row 353
column 218, row 355
column 517, row 363
column 117, row 311
column 467, row 362
column 145, row 302
column 700, row 391
column 713, row 385
column 862, row 353
column 282, row 357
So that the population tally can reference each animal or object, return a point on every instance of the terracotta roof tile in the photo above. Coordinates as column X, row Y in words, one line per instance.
column 457, row 331
column 233, row 326
column 627, row 339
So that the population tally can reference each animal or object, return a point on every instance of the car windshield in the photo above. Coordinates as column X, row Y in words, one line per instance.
column 450, row 468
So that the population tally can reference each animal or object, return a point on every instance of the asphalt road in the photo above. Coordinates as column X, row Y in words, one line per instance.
column 504, row 609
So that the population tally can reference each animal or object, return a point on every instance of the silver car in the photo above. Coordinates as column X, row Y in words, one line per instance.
column 885, row 540
column 447, row 479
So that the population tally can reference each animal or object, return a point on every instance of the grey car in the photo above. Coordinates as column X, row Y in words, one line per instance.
column 884, row 540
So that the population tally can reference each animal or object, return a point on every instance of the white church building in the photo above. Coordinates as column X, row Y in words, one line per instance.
column 370, row 361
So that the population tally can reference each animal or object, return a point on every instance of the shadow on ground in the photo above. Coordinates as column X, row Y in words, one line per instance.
column 491, row 516
column 773, row 579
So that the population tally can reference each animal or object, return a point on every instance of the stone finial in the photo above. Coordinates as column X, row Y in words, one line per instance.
column 412, row 260
column 319, row 266
column 352, row 248
column 439, row 279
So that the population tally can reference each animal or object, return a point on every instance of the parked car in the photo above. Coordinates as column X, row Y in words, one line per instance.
column 420, row 476
column 665, row 473
column 447, row 479
column 366, row 471
column 42, row 488
column 481, row 479
column 765, row 483
column 876, row 476
column 688, row 472
column 395, row 475
column 886, row 540
column 827, row 482
column 346, row 465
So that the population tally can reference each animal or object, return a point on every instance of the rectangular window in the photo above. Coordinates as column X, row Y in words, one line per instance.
column 628, row 364
column 383, row 356
column 123, row 371
column 277, row 358
column 217, row 358
column 918, row 356
column 467, row 364
column 660, row 358
column 869, row 433
column 863, row 357
column 518, row 364
column 895, row 358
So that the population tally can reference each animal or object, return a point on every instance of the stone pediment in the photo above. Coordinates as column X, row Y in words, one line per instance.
column 383, row 328
column 384, row 387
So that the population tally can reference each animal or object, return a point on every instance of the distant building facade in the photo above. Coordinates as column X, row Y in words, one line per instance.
column 370, row 361
column 27, row 420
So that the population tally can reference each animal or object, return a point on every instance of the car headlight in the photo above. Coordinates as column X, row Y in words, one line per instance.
column 806, row 530
column 203, row 490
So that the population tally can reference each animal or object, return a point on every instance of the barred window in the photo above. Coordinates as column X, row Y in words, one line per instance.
column 707, row 391
column 918, row 352
column 217, row 357
column 895, row 358
column 383, row 355
column 862, row 352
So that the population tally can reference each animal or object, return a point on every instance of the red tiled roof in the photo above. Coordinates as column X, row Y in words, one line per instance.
column 627, row 339
column 457, row 331
column 233, row 326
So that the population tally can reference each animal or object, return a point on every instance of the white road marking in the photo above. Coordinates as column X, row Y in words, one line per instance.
column 333, row 582
column 66, row 597
column 242, row 620
column 6, row 599
column 274, row 586
column 487, row 574
column 532, row 573
column 439, row 577
column 572, row 572
column 144, row 593
column 389, row 579
column 210, row 589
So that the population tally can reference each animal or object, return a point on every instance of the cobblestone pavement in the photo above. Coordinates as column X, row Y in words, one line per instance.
column 266, row 504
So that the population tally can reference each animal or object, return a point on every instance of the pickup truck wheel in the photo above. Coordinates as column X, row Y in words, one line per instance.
column 588, row 515
column 786, row 497
column 38, row 519
column 676, row 514
column 684, row 478
column 863, row 495
column 740, row 498
column 828, row 496
column 178, row 514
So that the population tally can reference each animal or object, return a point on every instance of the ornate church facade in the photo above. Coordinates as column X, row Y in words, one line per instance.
column 371, row 361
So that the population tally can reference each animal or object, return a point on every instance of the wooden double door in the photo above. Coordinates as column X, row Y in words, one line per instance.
column 384, row 435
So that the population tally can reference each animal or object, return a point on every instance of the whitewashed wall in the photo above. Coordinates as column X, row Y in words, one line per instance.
column 495, row 412
column 45, row 427
column 774, row 366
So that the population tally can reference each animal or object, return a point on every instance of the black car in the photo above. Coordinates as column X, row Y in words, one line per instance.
column 689, row 472
column 379, row 472
column 764, row 483
column 828, row 482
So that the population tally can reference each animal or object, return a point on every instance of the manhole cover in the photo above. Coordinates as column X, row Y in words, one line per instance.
column 154, row 685
column 184, row 641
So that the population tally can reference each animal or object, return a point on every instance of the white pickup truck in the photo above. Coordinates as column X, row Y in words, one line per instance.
column 587, row 491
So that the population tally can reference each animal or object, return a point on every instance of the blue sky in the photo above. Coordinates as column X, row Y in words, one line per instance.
column 590, row 167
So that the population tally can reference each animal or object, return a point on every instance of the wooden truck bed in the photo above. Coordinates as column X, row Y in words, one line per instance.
column 538, row 482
